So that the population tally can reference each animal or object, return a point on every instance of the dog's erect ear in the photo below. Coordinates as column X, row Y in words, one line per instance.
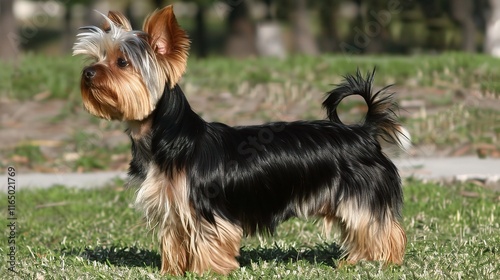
column 118, row 19
column 169, row 41
column 165, row 33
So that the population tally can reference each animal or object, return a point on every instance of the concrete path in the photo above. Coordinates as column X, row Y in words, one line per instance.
column 457, row 168
column 78, row 180
column 454, row 168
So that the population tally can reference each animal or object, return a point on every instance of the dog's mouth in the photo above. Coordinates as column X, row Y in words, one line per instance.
column 100, row 101
column 88, row 83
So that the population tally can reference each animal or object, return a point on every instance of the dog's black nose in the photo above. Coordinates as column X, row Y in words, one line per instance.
column 89, row 73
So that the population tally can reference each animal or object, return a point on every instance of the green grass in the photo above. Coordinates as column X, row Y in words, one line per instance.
column 59, row 76
column 457, row 126
column 29, row 151
column 63, row 233
column 453, row 70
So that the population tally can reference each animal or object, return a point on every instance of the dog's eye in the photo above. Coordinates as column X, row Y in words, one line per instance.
column 122, row 62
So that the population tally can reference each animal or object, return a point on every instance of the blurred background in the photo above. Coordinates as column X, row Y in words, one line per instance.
column 242, row 28
column 254, row 61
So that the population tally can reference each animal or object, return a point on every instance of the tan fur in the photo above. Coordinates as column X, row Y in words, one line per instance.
column 169, row 41
column 364, row 237
column 188, row 242
column 116, row 94
column 203, row 248
column 119, row 19
column 140, row 129
column 328, row 223
column 120, row 93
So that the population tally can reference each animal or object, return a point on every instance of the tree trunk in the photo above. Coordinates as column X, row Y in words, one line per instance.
column 303, row 39
column 68, row 37
column 200, row 39
column 330, row 38
column 269, row 15
column 492, row 40
column 241, row 31
column 158, row 4
column 129, row 13
column 9, row 46
column 375, row 26
column 463, row 12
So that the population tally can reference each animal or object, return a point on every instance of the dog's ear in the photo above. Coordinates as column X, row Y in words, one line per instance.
column 166, row 36
column 119, row 19
column 169, row 41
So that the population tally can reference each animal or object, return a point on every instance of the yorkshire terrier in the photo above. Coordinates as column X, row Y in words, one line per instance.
column 203, row 185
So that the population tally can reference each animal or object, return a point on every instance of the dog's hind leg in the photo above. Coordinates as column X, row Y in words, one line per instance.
column 370, row 236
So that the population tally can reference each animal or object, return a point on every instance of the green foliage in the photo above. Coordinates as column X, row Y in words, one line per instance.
column 65, row 233
column 30, row 152
column 35, row 74
column 457, row 125
column 453, row 70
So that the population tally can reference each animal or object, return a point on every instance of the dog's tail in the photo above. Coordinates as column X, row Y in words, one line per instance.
column 381, row 119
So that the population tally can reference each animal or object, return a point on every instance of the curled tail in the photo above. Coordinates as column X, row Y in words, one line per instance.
column 381, row 119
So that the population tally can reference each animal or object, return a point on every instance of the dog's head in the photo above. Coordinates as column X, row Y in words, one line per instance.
column 130, row 68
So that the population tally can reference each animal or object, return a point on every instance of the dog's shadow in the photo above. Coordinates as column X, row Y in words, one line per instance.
column 117, row 256
column 325, row 253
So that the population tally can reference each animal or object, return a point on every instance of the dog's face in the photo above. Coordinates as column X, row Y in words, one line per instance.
column 130, row 68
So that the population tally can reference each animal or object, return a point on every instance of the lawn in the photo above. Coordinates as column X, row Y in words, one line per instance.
column 65, row 233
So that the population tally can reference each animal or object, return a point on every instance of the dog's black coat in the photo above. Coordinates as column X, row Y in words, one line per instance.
column 257, row 176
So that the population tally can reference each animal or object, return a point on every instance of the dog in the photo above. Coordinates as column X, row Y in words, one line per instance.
column 203, row 185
